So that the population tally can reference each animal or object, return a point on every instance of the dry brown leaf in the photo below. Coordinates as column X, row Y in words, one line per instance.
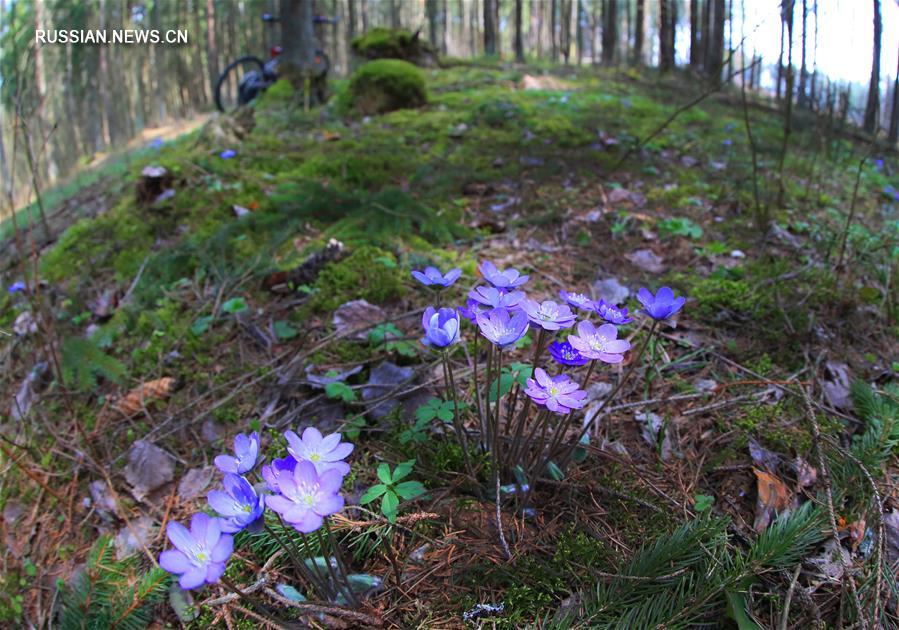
column 137, row 398
column 856, row 533
column 774, row 497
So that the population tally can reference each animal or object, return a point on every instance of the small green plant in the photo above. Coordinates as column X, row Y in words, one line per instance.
column 392, row 488
column 83, row 362
column 679, row 226
column 235, row 305
column 391, row 339
column 338, row 390
column 435, row 408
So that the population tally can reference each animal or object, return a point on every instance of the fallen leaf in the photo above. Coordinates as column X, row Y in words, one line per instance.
column 806, row 474
column 358, row 314
column 762, row 457
column 836, row 388
column 774, row 498
column 25, row 324
column 831, row 562
column 619, row 195
column 647, row 260
column 856, row 533
column 134, row 536
column 383, row 379
column 148, row 468
column 137, row 398
column 23, row 399
column 194, row 482
column 651, row 426
column 103, row 500
column 320, row 381
column 891, row 535
column 611, row 290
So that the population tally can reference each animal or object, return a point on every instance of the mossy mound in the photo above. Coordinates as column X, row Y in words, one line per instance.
column 368, row 273
column 386, row 85
column 385, row 43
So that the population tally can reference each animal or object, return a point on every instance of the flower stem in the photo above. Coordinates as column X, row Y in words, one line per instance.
column 339, row 581
column 256, row 603
column 329, row 592
column 514, row 449
column 564, row 460
column 332, row 539
column 301, row 568
column 457, row 420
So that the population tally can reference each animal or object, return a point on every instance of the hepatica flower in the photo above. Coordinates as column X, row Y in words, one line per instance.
column 471, row 310
column 441, row 327
column 227, row 154
column 239, row 505
column 662, row 305
column 565, row 354
column 559, row 393
column 246, row 450
column 431, row 276
column 599, row 343
column 271, row 473
column 503, row 328
column 548, row 315
column 612, row 314
column 492, row 297
column 307, row 497
column 577, row 300
column 200, row 553
column 325, row 453
column 17, row 286
column 501, row 279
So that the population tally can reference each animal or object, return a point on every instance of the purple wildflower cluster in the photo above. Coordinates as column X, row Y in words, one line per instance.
column 302, row 488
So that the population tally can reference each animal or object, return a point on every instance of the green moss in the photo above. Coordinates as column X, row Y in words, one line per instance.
column 278, row 95
column 385, row 85
column 368, row 273
column 714, row 294
column 385, row 43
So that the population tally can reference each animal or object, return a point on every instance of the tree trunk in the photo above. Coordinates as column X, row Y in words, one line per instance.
column 716, row 42
column 212, row 55
column 565, row 29
column 705, row 33
column 695, row 53
column 893, row 135
column 803, row 67
column 553, row 27
column 394, row 14
column 103, row 79
column 298, row 48
column 609, row 31
column 873, row 106
column 780, row 57
column 580, row 31
column 519, row 36
column 490, row 47
column 638, row 31
column 431, row 11
column 666, row 36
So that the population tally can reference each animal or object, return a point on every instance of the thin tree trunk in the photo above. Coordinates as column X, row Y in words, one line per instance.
column 212, row 54
column 103, row 79
column 490, row 47
column 553, row 27
column 893, row 135
column 431, row 11
column 394, row 14
column 803, row 67
column 788, row 107
column 666, row 37
column 565, row 29
column 609, row 31
column 638, row 31
column 519, row 36
column 705, row 33
column 780, row 57
column 873, row 105
column 716, row 42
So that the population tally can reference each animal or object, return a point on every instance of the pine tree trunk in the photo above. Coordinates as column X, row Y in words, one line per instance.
column 565, row 29
column 519, row 36
column 212, row 54
column 666, row 37
column 553, row 27
column 490, row 47
column 873, row 105
column 705, row 37
column 893, row 135
column 638, row 31
column 780, row 57
column 695, row 52
column 801, row 97
column 716, row 42
column 609, row 31
column 431, row 11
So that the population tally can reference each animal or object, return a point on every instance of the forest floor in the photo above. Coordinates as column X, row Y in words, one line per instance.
column 179, row 319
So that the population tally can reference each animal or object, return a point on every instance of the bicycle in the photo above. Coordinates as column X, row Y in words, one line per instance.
column 247, row 77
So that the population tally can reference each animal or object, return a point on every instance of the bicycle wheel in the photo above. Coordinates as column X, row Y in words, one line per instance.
column 239, row 83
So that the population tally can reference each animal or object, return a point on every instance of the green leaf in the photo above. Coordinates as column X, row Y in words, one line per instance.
column 554, row 471
column 235, row 305
column 338, row 390
column 372, row 493
column 201, row 325
column 403, row 470
column 702, row 502
column 389, row 504
column 409, row 489
column 384, row 473
column 505, row 384
column 428, row 411
column 286, row 590
column 284, row 331
column 524, row 342
column 353, row 427
column 579, row 455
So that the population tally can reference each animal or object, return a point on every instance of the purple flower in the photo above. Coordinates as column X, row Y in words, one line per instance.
column 471, row 310
column 548, row 315
column 564, row 354
column 503, row 328
column 577, row 300
column 325, row 453
column 878, row 164
column 559, row 394
column 432, row 276
column 200, row 554
column 227, row 154
column 441, row 327
column 156, row 143
column 727, row 142
column 599, row 343
column 239, row 505
column 612, row 313
column 662, row 305
column 17, row 286
column 271, row 473
column 246, row 449
column 496, row 298
column 306, row 496
column 505, row 279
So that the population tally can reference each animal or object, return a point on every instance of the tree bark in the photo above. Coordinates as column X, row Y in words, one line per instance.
column 490, row 47
column 638, row 31
column 715, row 60
column 553, row 27
column 519, row 36
column 431, row 12
column 695, row 53
column 803, row 68
column 780, row 58
column 872, row 109
column 893, row 135
column 565, row 29
column 666, row 35
column 609, row 31
column 212, row 55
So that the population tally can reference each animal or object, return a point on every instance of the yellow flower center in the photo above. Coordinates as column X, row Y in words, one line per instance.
column 315, row 458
